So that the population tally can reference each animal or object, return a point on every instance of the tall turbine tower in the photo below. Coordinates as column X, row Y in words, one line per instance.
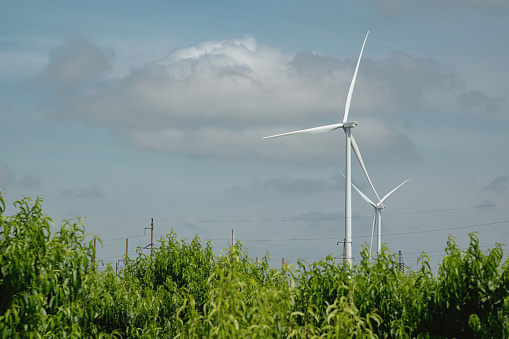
column 350, row 143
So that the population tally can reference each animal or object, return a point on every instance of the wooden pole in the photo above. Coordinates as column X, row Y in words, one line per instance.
column 126, row 248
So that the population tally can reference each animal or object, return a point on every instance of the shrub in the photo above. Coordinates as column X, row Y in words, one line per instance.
column 49, row 287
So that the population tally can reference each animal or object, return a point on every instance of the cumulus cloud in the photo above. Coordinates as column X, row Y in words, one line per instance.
column 383, row 140
column 8, row 178
column 73, row 63
column 497, row 185
column 478, row 101
column 219, row 98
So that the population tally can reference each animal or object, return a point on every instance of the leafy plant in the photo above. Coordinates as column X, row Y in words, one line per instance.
column 50, row 287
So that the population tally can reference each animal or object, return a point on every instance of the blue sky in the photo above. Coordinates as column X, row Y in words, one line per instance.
column 125, row 111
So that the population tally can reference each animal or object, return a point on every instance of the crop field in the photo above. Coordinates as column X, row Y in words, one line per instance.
column 50, row 287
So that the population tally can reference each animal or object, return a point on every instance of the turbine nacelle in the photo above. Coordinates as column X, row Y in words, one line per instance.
column 350, row 124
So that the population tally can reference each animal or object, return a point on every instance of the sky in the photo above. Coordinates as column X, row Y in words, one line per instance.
column 120, row 112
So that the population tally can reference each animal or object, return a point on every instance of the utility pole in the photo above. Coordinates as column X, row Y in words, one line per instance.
column 152, row 236
column 401, row 263
column 126, row 248
column 117, row 265
column 344, row 251
column 151, row 228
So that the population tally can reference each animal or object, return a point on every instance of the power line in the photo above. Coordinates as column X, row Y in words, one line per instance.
column 287, row 239
column 134, row 236
column 333, row 238
column 450, row 228
column 408, row 255
column 366, row 236
column 327, row 238
column 448, row 209
column 116, row 224
column 327, row 218
column 297, row 219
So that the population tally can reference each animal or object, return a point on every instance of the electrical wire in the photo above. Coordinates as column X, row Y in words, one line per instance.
column 116, row 224
column 317, row 219
column 329, row 238
column 359, row 236
column 449, row 228
column 298, row 219
column 134, row 236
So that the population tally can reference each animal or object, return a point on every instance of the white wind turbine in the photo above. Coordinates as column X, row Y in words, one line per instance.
column 350, row 143
column 377, row 215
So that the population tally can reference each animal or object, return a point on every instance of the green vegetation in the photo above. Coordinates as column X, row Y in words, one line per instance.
column 50, row 288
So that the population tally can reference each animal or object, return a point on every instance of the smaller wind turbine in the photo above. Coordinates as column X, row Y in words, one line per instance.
column 377, row 215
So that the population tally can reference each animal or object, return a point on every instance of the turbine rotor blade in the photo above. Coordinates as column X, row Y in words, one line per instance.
column 364, row 196
column 352, row 85
column 388, row 194
column 359, row 157
column 321, row 129
column 368, row 200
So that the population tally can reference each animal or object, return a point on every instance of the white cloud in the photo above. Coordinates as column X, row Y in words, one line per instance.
column 219, row 98
column 9, row 178
column 72, row 63
column 383, row 139
column 497, row 185
column 478, row 101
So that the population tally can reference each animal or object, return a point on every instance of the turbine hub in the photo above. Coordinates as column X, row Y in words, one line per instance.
column 350, row 124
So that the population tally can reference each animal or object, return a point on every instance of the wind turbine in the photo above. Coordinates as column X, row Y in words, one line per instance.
column 350, row 143
column 377, row 215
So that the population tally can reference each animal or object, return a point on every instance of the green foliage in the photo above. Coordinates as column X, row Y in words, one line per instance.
column 45, row 279
column 50, row 287
column 470, row 293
